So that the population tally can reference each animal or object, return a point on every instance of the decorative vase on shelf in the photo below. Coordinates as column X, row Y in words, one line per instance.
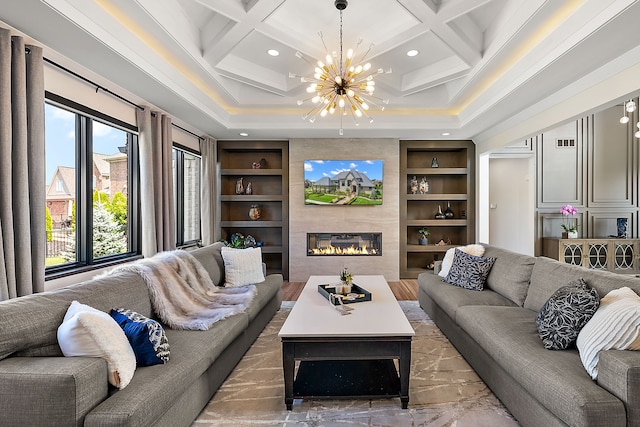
column 434, row 163
column 572, row 234
column 440, row 214
column 424, row 186
column 413, row 185
column 239, row 186
column 249, row 189
column 255, row 212
column 448, row 213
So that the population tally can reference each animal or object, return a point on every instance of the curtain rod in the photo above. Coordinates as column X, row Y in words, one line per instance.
column 104, row 89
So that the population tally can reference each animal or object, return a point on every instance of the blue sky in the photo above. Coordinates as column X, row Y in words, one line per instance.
column 60, row 137
column 316, row 169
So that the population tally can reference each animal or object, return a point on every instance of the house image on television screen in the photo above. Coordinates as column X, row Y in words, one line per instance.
column 343, row 182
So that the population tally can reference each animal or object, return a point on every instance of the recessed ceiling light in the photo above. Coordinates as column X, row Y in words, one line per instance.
column 412, row 52
column 244, row 134
column 273, row 52
column 446, row 133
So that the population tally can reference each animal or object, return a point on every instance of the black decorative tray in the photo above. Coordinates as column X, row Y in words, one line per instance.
column 357, row 294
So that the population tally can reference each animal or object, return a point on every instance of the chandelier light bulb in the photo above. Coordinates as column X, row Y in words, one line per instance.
column 624, row 120
column 341, row 102
column 631, row 106
column 637, row 134
column 323, row 113
column 299, row 101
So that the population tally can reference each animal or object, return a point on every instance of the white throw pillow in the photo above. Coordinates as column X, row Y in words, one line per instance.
column 473, row 249
column 86, row 331
column 614, row 326
column 242, row 267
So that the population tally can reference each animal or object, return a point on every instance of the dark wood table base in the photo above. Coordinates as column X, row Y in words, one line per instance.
column 346, row 367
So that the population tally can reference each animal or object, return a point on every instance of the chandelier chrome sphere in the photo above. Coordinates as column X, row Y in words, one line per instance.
column 341, row 84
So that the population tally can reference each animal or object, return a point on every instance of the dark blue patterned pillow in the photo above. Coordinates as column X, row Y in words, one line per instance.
column 146, row 336
column 565, row 313
column 469, row 271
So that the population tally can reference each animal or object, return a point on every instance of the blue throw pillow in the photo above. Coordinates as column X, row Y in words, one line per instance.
column 146, row 336
column 469, row 271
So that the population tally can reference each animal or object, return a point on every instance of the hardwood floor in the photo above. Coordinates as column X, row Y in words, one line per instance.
column 403, row 290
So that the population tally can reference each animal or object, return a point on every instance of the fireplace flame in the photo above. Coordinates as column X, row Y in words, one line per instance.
column 351, row 250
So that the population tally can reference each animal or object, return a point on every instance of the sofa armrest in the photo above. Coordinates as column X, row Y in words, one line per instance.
column 619, row 373
column 51, row 390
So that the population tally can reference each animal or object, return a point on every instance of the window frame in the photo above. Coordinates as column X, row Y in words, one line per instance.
column 178, row 189
column 85, row 117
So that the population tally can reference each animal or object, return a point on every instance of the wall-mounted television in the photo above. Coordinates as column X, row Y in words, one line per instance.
column 343, row 182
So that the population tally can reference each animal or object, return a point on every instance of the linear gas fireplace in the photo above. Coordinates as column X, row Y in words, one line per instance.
column 349, row 244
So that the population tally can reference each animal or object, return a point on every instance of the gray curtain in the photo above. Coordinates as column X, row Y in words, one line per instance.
column 156, row 182
column 22, row 168
column 208, row 191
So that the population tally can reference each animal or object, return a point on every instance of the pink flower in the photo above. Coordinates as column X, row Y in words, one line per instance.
column 569, row 224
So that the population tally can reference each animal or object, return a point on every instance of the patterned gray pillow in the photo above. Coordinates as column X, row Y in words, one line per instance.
column 562, row 317
column 469, row 271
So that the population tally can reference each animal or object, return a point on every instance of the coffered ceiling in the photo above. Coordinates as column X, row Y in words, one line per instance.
column 479, row 62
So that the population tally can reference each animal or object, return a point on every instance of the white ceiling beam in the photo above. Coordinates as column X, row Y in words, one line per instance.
column 457, row 42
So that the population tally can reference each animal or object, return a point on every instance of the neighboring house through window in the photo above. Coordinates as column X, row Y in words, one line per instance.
column 92, row 159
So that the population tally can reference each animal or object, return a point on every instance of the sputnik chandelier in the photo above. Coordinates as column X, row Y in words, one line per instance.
column 339, row 85
column 630, row 107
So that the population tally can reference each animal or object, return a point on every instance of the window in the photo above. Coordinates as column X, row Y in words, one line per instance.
column 186, row 180
column 92, row 158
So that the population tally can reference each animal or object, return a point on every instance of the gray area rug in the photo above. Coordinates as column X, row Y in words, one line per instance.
column 443, row 391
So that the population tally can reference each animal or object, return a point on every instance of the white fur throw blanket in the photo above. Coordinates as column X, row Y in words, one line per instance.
column 182, row 293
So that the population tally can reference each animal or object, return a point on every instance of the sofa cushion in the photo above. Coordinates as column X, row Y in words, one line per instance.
column 469, row 271
column 146, row 336
column 50, row 391
column 211, row 258
column 567, row 311
column 153, row 389
column 555, row 378
column 452, row 298
column 447, row 261
column 30, row 323
column 242, row 267
column 264, row 292
column 548, row 275
column 615, row 325
column 510, row 273
column 86, row 331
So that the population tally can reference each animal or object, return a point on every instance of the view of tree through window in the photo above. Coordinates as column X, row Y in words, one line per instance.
column 60, row 138
column 104, row 205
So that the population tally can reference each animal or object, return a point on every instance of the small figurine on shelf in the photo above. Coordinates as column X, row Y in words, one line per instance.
column 434, row 163
column 448, row 213
column 239, row 186
column 440, row 214
column 424, row 186
column 413, row 185
column 259, row 165
column 249, row 189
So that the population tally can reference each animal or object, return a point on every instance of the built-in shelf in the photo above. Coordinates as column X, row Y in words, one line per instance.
column 437, row 171
column 429, row 248
column 250, row 198
column 251, row 172
column 452, row 183
column 270, row 190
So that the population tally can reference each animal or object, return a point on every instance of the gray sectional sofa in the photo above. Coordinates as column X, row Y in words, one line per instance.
column 39, row 386
column 495, row 330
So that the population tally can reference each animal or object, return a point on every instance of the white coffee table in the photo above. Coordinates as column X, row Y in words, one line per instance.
column 375, row 332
